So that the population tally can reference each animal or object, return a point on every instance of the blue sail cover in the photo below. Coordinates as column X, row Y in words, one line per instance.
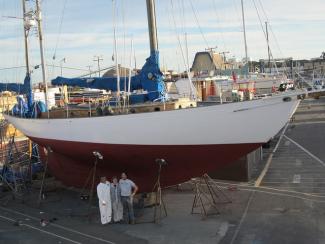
column 104, row 83
column 149, row 79
column 25, row 88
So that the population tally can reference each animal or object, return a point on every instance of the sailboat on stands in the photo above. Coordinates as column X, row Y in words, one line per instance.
column 193, row 141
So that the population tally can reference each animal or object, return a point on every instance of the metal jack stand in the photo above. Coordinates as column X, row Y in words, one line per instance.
column 41, row 194
column 206, row 194
column 159, row 206
column 98, row 156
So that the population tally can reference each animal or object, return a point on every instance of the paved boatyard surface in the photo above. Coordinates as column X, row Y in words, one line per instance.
column 285, row 205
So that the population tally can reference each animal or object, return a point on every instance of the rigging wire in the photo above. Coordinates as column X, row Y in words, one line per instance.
column 274, row 36
column 184, row 54
column 198, row 24
column 214, row 4
column 238, row 20
column 177, row 35
column 271, row 55
column 265, row 35
column 60, row 28
column 271, row 29
column 172, row 32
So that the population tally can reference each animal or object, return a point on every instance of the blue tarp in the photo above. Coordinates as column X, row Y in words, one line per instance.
column 104, row 83
column 149, row 79
column 25, row 88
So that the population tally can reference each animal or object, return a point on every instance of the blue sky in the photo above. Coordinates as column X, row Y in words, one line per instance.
column 297, row 25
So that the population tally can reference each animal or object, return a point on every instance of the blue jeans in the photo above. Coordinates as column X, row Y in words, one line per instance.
column 128, row 213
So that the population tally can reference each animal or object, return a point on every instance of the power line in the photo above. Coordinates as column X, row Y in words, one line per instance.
column 10, row 68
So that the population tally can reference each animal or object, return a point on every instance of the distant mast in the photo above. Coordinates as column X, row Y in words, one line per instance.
column 268, row 46
column 245, row 39
column 152, row 26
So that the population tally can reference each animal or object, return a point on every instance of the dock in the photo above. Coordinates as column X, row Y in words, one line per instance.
column 285, row 203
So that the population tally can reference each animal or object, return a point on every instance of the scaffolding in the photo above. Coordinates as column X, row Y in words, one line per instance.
column 18, row 158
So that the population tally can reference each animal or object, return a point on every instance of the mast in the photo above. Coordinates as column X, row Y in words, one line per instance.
column 152, row 26
column 245, row 39
column 268, row 45
column 26, row 30
column 40, row 37
column 27, row 26
column 116, row 55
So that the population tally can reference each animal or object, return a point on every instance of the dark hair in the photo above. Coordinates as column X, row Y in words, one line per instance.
column 114, row 177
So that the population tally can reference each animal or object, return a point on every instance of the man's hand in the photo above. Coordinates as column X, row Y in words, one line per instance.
column 135, row 190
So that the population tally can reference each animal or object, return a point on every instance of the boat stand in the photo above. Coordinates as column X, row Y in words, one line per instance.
column 91, row 178
column 41, row 195
column 207, row 195
column 160, row 210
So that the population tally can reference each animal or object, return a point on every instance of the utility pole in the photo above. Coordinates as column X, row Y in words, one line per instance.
column 89, row 69
column 211, row 49
column 98, row 59
column 224, row 58
column 40, row 37
column 61, row 62
column 268, row 45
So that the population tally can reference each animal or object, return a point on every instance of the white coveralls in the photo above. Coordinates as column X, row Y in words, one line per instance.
column 105, row 205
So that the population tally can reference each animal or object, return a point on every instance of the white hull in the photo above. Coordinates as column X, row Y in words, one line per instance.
column 246, row 122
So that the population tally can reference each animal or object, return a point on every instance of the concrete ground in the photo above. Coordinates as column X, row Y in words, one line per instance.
column 287, row 205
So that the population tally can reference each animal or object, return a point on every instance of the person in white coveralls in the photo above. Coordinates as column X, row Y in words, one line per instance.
column 104, row 197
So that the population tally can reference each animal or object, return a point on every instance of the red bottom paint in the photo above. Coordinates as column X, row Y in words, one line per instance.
column 72, row 162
